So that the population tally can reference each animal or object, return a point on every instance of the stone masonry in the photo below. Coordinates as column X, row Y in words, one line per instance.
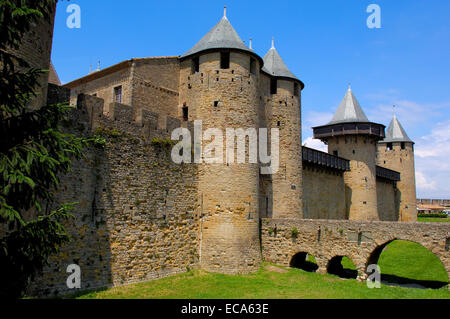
column 140, row 216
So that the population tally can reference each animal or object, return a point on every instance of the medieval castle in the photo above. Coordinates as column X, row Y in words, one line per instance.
column 140, row 216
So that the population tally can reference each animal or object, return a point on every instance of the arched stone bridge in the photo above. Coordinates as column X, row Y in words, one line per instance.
column 362, row 242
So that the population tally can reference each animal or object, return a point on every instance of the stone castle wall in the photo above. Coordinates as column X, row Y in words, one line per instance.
column 36, row 49
column 103, row 87
column 388, row 200
column 137, row 216
column 323, row 193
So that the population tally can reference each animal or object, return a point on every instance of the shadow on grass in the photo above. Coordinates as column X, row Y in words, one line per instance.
column 393, row 280
column 300, row 261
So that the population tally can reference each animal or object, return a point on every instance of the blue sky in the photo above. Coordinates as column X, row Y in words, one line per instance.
column 325, row 43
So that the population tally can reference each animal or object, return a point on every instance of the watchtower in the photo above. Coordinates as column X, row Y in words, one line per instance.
column 219, row 84
column 284, row 105
column 352, row 136
column 396, row 152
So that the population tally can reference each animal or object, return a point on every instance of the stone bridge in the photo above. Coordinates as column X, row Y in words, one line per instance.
column 362, row 242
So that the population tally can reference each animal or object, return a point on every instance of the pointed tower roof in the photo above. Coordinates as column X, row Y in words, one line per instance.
column 221, row 36
column 349, row 119
column 349, row 111
column 275, row 66
column 396, row 132
column 53, row 76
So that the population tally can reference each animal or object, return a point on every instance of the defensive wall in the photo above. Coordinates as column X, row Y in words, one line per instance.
column 136, row 216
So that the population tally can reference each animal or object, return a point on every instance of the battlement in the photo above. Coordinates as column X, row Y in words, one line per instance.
column 91, row 111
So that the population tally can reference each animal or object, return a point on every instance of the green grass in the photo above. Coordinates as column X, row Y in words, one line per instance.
column 433, row 220
column 400, row 258
column 411, row 260
column 265, row 284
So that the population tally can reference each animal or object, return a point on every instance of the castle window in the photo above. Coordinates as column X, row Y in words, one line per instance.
column 195, row 65
column 389, row 147
column 278, row 123
column 252, row 66
column 216, row 103
column 273, row 86
column 335, row 153
column 118, row 94
column 296, row 91
column 403, row 145
column 224, row 60
column 185, row 113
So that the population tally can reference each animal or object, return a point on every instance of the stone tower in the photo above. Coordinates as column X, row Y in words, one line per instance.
column 219, row 84
column 284, row 103
column 396, row 152
column 36, row 48
column 352, row 136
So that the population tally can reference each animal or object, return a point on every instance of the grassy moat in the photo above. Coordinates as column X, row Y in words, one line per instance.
column 401, row 261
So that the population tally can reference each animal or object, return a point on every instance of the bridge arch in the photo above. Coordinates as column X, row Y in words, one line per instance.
column 305, row 261
column 336, row 267
column 413, row 259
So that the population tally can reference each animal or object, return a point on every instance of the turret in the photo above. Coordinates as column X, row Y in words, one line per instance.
column 35, row 48
column 396, row 152
column 219, row 84
column 352, row 136
column 284, row 113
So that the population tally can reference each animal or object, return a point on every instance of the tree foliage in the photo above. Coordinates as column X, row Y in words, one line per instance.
column 34, row 151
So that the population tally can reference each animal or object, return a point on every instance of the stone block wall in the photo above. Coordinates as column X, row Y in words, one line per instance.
column 137, row 216
column 324, row 193
column 103, row 86
column 362, row 242
column 36, row 49
column 388, row 200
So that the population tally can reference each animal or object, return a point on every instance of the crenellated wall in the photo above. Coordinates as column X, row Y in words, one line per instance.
column 137, row 216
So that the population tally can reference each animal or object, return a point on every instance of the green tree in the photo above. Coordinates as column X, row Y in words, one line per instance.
column 34, row 151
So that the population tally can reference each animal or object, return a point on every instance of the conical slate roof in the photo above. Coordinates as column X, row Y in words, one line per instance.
column 53, row 76
column 222, row 36
column 349, row 110
column 396, row 132
column 274, row 64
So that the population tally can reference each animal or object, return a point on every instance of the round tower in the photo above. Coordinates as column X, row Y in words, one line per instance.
column 219, row 85
column 36, row 48
column 352, row 136
column 396, row 152
column 284, row 108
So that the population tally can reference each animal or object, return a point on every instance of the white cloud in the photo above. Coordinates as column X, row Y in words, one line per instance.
column 432, row 162
column 423, row 184
column 315, row 144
